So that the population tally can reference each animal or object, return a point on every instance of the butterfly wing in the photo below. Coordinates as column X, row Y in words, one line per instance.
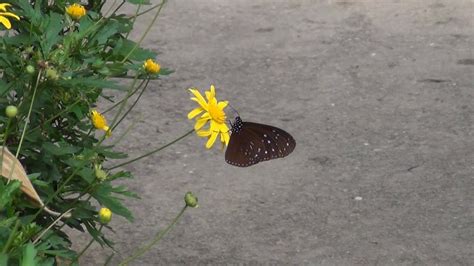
column 278, row 143
column 254, row 143
column 244, row 149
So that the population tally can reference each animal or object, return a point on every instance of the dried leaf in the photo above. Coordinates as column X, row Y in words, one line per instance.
column 13, row 170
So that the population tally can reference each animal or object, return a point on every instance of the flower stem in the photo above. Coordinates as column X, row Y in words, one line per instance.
column 133, row 105
column 12, row 236
column 146, row 31
column 157, row 239
column 153, row 151
column 87, row 246
column 28, row 116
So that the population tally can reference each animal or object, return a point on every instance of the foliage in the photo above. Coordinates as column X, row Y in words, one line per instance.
column 54, row 69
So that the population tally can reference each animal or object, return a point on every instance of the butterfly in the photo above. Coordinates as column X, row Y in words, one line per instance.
column 251, row 143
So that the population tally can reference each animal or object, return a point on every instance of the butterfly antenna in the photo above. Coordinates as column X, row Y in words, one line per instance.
column 233, row 109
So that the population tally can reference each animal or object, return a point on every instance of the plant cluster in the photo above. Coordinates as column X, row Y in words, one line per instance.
column 56, row 59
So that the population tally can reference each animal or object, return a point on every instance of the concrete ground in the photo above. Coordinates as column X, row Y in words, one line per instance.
column 379, row 96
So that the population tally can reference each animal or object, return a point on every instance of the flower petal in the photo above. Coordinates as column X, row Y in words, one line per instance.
column 195, row 112
column 203, row 133
column 5, row 22
column 9, row 14
column 3, row 7
column 200, row 123
column 226, row 138
column 222, row 104
column 211, row 140
column 198, row 98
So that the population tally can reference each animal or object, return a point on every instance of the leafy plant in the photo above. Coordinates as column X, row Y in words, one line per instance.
column 56, row 60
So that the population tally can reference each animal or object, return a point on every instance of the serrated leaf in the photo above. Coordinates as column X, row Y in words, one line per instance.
column 60, row 148
column 29, row 254
column 103, row 194
column 139, row 2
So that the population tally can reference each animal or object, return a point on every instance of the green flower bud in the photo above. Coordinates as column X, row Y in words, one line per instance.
column 99, row 173
column 30, row 69
column 52, row 74
column 11, row 111
column 191, row 200
column 105, row 215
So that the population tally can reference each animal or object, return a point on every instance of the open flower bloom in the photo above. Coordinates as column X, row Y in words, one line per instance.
column 76, row 11
column 99, row 122
column 4, row 16
column 151, row 66
column 211, row 111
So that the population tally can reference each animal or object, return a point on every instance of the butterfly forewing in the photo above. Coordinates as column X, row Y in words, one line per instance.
column 251, row 143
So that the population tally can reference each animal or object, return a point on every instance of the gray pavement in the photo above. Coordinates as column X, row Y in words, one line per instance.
column 379, row 96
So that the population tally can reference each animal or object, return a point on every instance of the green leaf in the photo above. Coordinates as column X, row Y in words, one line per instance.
column 3, row 259
column 60, row 148
column 103, row 194
column 124, row 47
column 52, row 25
column 80, row 83
column 29, row 254
column 139, row 2
column 7, row 192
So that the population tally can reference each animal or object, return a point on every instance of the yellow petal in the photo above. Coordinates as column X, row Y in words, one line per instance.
column 222, row 104
column 226, row 138
column 211, row 140
column 9, row 14
column 199, row 99
column 195, row 112
column 3, row 7
column 200, row 123
column 203, row 133
column 5, row 22
column 222, row 128
column 213, row 91
column 206, row 115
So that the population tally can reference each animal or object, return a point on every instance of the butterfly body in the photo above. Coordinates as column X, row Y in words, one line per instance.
column 251, row 143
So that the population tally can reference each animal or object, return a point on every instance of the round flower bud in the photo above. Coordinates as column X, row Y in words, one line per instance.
column 105, row 215
column 11, row 111
column 30, row 69
column 52, row 74
column 191, row 200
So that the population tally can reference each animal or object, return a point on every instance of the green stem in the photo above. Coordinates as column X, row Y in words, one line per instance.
column 5, row 143
column 146, row 11
column 11, row 237
column 28, row 116
column 133, row 105
column 157, row 239
column 153, row 151
column 121, row 101
column 146, row 31
column 87, row 246
column 124, row 102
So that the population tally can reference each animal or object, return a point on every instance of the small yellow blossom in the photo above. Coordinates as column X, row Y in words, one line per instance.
column 99, row 122
column 151, row 66
column 214, row 113
column 4, row 14
column 105, row 215
column 76, row 11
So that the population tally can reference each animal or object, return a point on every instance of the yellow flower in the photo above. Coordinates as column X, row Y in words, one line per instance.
column 213, row 112
column 76, row 11
column 151, row 66
column 105, row 215
column 4, row 14
column 99, row 122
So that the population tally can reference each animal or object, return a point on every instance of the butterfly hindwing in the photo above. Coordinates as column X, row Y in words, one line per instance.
column 251, row 143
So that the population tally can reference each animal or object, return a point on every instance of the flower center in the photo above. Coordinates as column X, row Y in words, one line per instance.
column 217, row 114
